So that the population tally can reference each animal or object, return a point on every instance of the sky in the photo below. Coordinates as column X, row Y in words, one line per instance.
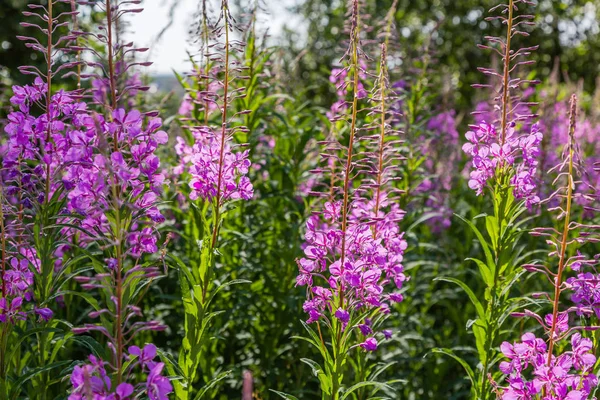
column 170, row 52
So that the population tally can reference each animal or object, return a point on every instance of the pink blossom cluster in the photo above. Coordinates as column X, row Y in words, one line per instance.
column 91, row 381
column 217, row 170
column 81, row 156
column 490, row 154
column 532, row 374
column 131, row 165
column 371, row 263
column 585, row 295
column 34, row 142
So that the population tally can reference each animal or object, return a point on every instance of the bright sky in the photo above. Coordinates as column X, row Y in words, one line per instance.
column 170, row 52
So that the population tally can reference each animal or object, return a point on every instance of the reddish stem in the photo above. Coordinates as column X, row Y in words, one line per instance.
column 381, row 136
column 348, row 168
column 506, row 78
column 111, row 67
column 223, row 128
column 565, row 233
column 49, row 94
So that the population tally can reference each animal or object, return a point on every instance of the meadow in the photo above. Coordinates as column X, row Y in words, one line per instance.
column 398, row 203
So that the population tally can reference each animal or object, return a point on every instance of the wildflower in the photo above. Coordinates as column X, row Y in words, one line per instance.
column 144, row 356
column 342, row 315
column 11, row 312
column 44, row 313
column 370, row 344
column 208, row 176
column 158, row 386
column 143, row 241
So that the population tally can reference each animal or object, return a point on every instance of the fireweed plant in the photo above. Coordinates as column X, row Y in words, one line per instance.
column 551, row 369
column 504, row 156
column 352, row 267
column 214, row 168
column 112, row 182
column 33, row 196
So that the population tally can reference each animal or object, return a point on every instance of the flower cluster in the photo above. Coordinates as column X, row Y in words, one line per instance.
column 219, row 172
column 491, row 154
column 372, row 260
column 91, row 381
column 35, row 158
column 585, row 295
column 39, row 140
column 566, row 377
column 129, row 163
column 17, row 285
column 552, row 364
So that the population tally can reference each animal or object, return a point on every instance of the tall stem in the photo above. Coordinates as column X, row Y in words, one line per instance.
column 381, row 149
column 565, row 232
column 492, row 325
column 506, row 77
column 118, row 334
column 49, row 93
column 223, row 129
column 217, row 202
column 3, row 241
column 78, row 53
column 348, row 168
column 111, row 66
column 205, row 38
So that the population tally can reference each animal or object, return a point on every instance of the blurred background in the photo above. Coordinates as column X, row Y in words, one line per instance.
column 307, row 33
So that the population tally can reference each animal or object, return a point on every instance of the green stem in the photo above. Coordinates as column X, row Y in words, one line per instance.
column 492, row 306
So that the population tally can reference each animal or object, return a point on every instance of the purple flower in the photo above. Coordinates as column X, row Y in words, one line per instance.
column 489, row 156
column 583, row 356
column 210, row 176
column 370, row 344
column 158, row 386
column 342, row 315
column 145, row 356
column 560, row 377
column 44, row 313
column 143, row 242
column 562, row 322
column 124, row 390
column 92, row 380
column 11, row 312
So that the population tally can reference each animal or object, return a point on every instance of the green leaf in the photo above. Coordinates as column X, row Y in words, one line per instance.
column 460, row 360
column 86, row 296
column 484, row 270
column 15, row 346
column 484, row 245
column 211, row 384
column 320, row 374
column 316, row 340
column 468, row 291
column 284, row 395
column 91, row 344
column 15, row 388
column 359, row 385
column 479, row 330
